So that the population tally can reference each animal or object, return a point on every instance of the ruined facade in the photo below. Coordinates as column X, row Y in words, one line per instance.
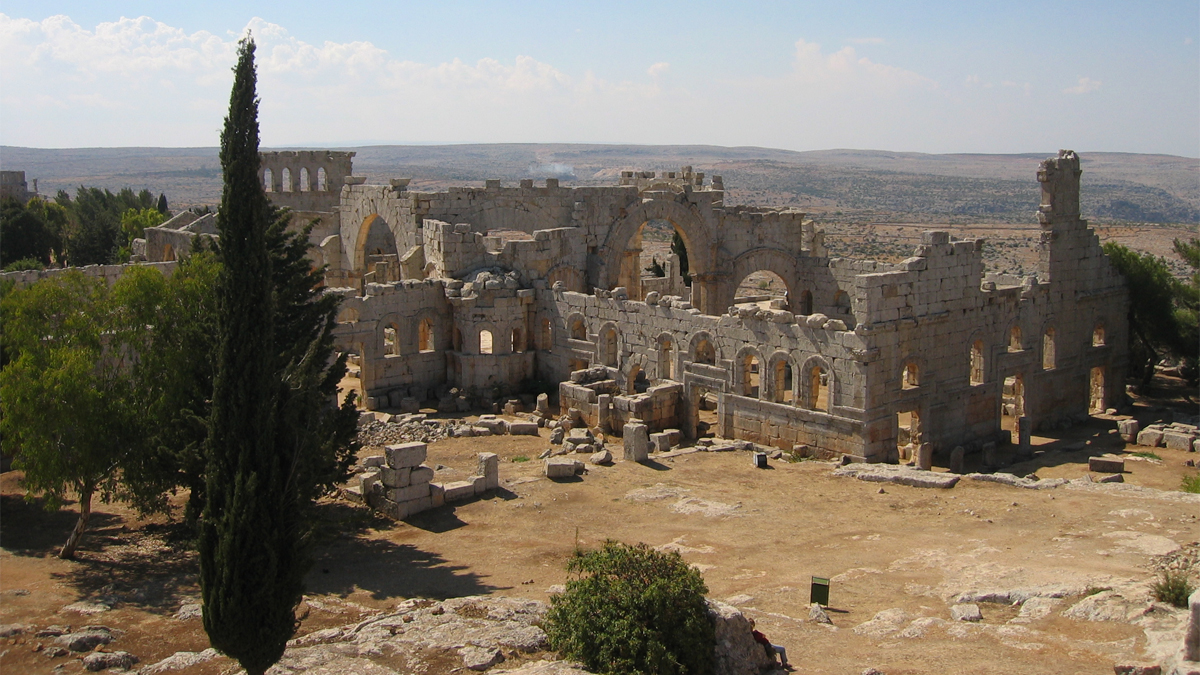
column 859, row 358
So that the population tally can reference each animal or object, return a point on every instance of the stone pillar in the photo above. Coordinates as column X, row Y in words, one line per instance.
column 925, row 456
column 958, row 460
column 1024, row 431
column 636, row 439
column 603, row 411
column 489, row 468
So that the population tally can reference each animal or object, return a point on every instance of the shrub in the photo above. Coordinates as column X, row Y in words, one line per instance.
column 634, row 611
column 1192, row 483
column 1172, row 587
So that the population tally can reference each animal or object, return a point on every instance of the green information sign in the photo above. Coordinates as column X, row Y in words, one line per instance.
column 820, row 591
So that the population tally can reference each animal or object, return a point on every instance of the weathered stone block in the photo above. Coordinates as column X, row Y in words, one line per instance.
column 1175, row 440
column 437, row 495
column 523, row 428
column 420, row 475
column 661, row 442
column 1106, row 464
column 395, row 478
column 489, row 467
column 459, row 490
column 636, row 440
column 374, row 461
column 404, row 455
column 1128, row 429
column 558, row 467
column 409, row 493
column 966, row 612
column 1151, row 438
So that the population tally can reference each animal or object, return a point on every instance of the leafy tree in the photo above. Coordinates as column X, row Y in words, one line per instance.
column 135, row 221
column 251, row 554
column 1187, row 306
column 67, row 397
column 631, row 610
column 94, row 235
column 25, row 233
column 1153, row 325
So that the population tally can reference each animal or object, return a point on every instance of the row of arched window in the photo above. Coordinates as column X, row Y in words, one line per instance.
column 425, row 337
column 305, row 181
column 777, row 382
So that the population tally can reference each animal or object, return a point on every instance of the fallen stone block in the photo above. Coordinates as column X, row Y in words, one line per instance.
column 898, row 475
column 603, row 457
column 437, row 495
column 1113, row 478
column 1017, row 481
column 558, row 467
column 1176, row 440
column 1128, row 429
column 523, row 428
column 673, row 436
column 87, row 639
column 367, row 481
column 404, row 455
column 489, row 467
column 661, row 442
column 352, row 493
column 103, row 660
column 968, row 612
column 1106, row 464
column 374, row 461
column 1150, row 437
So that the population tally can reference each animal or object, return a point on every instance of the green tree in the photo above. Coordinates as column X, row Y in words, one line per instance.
column 94, row 235
column 135, row 221
column 162, row 206
column 67, row 391
column 633, row 610
column 25, row 233
column 1187, row 307
column 1153, row 325
column 251, row 554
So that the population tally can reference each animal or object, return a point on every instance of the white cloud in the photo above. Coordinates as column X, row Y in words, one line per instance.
column 1086, row 86
column 658, row 69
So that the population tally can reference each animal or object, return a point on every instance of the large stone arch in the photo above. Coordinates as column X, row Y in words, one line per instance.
column 754, row 260
column 373, row 234
column 697, row 234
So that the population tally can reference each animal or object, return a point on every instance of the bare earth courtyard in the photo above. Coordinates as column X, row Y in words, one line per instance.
column 1061, row 575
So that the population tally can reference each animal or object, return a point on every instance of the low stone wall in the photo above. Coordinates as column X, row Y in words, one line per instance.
column 110, row 273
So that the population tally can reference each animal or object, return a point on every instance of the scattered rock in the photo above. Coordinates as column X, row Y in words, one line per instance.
column 8, row 630
column 103, row 660
column 53, row 631
column 817, row 613
column 179, row 661
column 54, row 652
column 883, row 623
column 87, row 608
column 602, row 457
column 967, row 612
column 899, row 475
column 1137, row 669
column 1031, row 482
column 546, row 668
column 86, row 639
column 189, row 611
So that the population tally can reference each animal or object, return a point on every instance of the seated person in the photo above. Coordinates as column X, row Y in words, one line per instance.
column 771, row 649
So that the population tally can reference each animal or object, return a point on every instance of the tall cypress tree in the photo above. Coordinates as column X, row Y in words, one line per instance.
column 251, row 561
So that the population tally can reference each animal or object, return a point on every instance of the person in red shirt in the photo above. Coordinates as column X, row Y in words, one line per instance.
column 771, row 649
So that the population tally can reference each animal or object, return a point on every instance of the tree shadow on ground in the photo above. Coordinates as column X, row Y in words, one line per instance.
column 31, row 530
column 348, row 558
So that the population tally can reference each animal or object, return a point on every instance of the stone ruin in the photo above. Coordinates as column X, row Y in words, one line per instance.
column 465, row 297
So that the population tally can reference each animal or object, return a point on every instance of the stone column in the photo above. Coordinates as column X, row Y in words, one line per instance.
column 636, row 439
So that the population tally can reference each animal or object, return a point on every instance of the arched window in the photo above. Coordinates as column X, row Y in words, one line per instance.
column 977, row 362
column 751, row 378
column 425, row 335
column 485, row 342
column 578, row 330
column 391, row 340
column 322, row 180
column 1048, row 349
column 547, row 335
column 666, row 358
column 1014, row 339
column 818, row 388
column 806, row 303
column 608, row 347
column 304, row 186
column 268, row 186
column 841, row 300
column 911, row 377
column 1098, row 335
column 783, row 382
column 518, row 341
column 705, row 352
column 287, row 179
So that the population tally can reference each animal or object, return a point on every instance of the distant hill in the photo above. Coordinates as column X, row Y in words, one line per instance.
column 830, row 184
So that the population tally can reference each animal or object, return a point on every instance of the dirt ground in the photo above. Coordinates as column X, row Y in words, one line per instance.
column 758, row 536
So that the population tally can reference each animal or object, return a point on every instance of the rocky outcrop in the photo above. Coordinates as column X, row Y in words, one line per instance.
column 736, row 652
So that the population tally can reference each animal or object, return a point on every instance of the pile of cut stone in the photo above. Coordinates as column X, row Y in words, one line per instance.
column 1174, row 436
column 398, row 484
column 491, row 425
column 379, row 429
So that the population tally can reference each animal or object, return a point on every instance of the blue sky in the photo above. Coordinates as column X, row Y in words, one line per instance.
column 916, row 76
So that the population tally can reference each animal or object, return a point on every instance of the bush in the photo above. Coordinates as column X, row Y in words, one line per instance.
column 1192, row 483
column 633, row 610
column 1172, row 587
